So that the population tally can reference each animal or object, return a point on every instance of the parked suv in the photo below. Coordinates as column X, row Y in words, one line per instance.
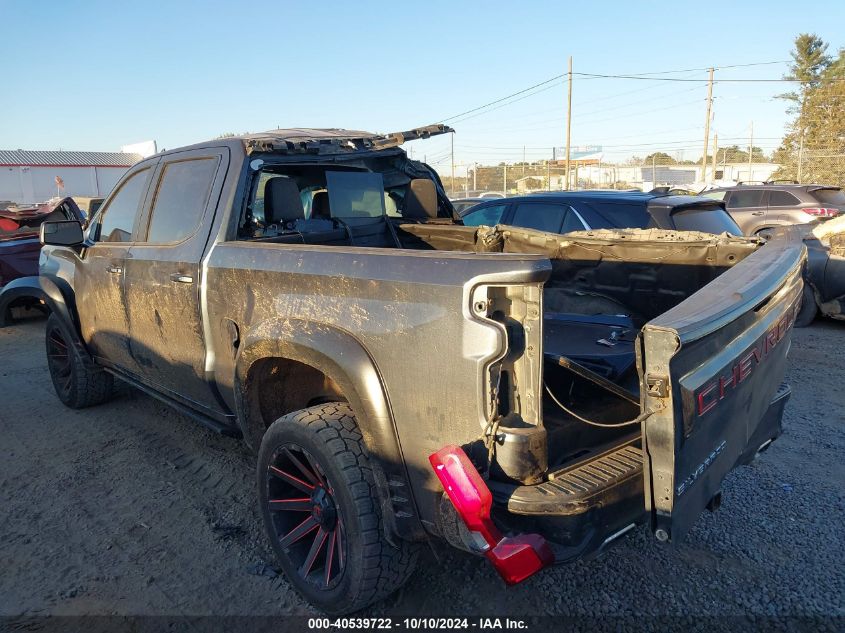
column 759, row 207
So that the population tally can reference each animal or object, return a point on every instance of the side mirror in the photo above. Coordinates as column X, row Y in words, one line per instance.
column 61, row 233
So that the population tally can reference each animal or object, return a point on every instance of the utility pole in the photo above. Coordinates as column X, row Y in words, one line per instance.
column 568, row 121
column 707, row 127
column 715, row 151
column 523, row 160
column 750, row 150
column 653, row 170
column 549, row 171
column 452, row 184
column 801, row 156
column 475, row 177
column 505, row 180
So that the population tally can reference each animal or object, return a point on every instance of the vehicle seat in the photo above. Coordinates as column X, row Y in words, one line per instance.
column 282, row 204
column 421, row 200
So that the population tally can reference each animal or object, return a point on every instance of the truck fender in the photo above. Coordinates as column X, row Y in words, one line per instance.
column 58, row 296
column 41, row 289
column 340, row 357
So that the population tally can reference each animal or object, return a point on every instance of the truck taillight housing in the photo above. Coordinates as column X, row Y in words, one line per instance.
column 514, row 557
column 822, row 212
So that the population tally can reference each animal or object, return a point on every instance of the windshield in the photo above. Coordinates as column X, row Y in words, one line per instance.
column 706, row 220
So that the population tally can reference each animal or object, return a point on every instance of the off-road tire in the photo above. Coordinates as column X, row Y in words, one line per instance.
column 374, row 568
column 809, row 308
column 78, row 382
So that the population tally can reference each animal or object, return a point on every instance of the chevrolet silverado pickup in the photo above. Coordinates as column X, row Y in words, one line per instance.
column 526, row 396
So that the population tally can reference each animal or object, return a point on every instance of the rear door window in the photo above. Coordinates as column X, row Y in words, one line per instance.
column 706, row 220
column 624, row 215
column 540, row 216
column 741, row 199
column 486, row 216
column 782, row 199
column 181, row 199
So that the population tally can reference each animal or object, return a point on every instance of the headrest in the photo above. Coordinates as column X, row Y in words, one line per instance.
column 281, row 201
column 421, row 200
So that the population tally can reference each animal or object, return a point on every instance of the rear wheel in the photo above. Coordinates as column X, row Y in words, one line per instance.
column 809, row 309
column 78, row 384
column 322, row 512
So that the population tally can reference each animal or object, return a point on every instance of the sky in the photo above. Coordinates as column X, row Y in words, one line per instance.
column 95, row 75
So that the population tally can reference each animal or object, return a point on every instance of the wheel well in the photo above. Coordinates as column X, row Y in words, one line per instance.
column 278, row 386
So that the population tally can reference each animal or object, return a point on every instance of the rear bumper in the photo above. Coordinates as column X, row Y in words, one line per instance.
column 584, row 509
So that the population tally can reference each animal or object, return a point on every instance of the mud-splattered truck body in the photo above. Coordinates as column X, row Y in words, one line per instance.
column 526, row 396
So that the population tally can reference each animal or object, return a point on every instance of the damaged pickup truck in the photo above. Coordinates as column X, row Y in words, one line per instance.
column 526, row 396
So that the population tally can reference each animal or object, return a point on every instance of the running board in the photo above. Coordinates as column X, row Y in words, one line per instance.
column 206, row 421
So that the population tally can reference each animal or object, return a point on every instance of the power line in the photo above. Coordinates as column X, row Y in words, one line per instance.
column 746, row 80
column 542, row 83
column 536, row 92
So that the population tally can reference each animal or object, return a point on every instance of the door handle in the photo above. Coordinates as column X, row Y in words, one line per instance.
column 758, row 213
column 182, row 279
column 115, row 270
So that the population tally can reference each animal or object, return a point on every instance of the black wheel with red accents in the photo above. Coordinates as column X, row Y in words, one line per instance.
column 304, row 516
column 77, row 380
column 322, row 512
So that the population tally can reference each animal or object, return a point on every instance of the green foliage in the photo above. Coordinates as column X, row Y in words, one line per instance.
column 809, row 61
column 813, row 149
column 659, row 158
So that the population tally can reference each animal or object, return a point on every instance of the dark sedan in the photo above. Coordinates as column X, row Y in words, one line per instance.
column 565, row 211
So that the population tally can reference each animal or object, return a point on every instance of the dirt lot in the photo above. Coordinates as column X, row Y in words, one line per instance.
column 130, row 508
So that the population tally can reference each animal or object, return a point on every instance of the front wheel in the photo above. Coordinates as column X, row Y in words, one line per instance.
column 78, row 383
column 322, row 512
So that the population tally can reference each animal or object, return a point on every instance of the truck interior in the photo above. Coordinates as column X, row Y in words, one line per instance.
column 605, row 284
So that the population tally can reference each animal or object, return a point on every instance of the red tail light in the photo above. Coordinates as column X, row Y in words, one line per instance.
column 822, row 212
column 515, row 558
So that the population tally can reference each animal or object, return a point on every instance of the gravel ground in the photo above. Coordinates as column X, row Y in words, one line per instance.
column 131, row 509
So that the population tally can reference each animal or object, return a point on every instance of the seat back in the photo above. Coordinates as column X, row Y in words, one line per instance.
column 282, row 204
column 421, row 200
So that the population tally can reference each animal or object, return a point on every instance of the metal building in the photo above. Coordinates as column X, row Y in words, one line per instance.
column 28, row 177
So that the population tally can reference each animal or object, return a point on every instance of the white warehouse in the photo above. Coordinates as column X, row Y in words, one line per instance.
column 28, row 176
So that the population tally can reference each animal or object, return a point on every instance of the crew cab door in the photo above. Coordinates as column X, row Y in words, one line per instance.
column 163, row 277
column 711, row 371
column 99, row 277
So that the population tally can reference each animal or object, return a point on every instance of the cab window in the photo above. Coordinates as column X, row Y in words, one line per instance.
column 180, row 199
column 118, row 217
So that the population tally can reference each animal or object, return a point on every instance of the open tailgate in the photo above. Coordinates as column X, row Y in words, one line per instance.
column 711, row 371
